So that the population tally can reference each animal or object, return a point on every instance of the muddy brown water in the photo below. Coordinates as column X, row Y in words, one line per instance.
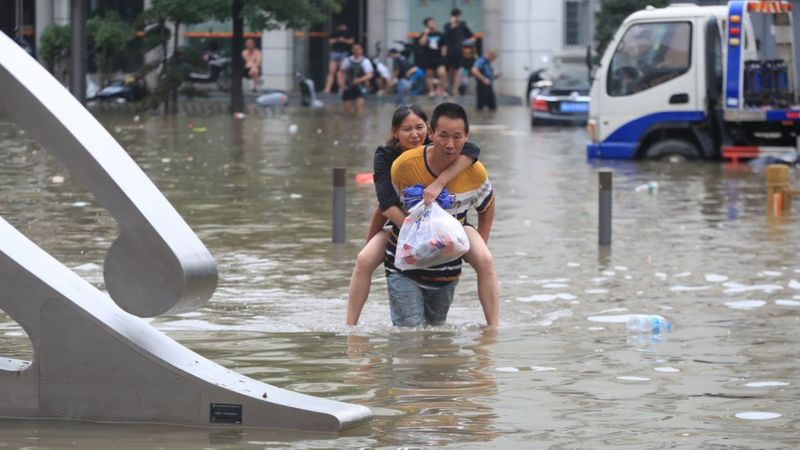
column 560, row 372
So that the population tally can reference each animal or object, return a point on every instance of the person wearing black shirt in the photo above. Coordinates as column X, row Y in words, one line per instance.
column 456, row 34
column 431, row 57
column 340, row 41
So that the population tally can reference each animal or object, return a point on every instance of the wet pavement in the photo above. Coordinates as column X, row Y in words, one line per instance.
column 560, row 372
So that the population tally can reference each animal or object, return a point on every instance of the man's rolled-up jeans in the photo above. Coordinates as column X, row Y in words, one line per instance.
column 413, row 306
column 403, row 87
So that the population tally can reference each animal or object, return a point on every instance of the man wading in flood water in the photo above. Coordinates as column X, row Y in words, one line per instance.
column 423, row 297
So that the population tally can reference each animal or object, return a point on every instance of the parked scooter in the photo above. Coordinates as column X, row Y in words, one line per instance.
column 130, row 89
column 538, row 80
column 218, row 71
column 308, row 95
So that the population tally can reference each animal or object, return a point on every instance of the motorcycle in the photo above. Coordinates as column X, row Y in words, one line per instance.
column 218, row 71
column 130, row 89
column 538, row 80
column 308, row 95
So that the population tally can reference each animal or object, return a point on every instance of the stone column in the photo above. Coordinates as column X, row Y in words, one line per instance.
column 396, row 22
column 376, row 27
column 44, row 17
column 277, row 48
column 529, row 31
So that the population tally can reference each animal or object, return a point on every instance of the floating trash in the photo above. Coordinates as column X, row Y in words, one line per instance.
column 666, row 369
column 714, row 278
column 507, row 369
column 766, row 383
column 651, row 187
column 794, row 284
column 688, row 288
column 787, row 302
column 630, row 378
column 746, row 304
column 771, row 273
column 543, row 369
column 610, row 319
column 573, row 264
column 546, row 297
column 738, row 287
column 293, row 128
column 58, row 179
column 757, row 415
column 596, row 291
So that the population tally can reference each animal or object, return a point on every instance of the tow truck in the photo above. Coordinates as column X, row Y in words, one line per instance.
column 698, row 82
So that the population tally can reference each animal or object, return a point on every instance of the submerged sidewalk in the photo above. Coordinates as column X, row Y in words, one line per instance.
column 218, row 103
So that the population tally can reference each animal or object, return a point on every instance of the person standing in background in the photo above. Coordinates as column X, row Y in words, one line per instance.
column 252, row 63
column 456, row 35
column 340, row 41
column 354, row 76
column 432, row 61
column 485, row 75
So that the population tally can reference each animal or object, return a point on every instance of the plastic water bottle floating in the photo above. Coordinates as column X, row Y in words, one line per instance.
column 648, row 323
column 650, row 186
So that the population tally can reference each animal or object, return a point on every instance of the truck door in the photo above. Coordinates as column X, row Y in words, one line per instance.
column 651, row 79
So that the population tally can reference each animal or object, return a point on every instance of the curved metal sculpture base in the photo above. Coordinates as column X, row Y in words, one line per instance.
column 92, row 359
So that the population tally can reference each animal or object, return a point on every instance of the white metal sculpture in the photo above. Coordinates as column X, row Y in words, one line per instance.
column 93, row 358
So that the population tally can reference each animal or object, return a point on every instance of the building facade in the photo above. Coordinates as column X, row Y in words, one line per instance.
column 526, row 34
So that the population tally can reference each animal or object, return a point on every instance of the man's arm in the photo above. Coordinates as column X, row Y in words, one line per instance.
column 485, row 219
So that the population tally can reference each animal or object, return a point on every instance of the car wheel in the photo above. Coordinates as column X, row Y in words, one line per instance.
column 673, row 151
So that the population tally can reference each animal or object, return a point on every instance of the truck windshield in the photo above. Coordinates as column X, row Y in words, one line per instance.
column 649, row 54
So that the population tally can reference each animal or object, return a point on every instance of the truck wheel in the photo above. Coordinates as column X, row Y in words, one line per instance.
column 672, row 150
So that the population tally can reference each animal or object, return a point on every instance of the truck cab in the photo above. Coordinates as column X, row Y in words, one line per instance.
column 690, row 82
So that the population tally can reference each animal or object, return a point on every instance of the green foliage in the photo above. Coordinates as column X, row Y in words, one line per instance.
column 274, row 14
column 110, row 35
column 610, row 16
column 110, row 32
column 184, row 12
column 54, row 44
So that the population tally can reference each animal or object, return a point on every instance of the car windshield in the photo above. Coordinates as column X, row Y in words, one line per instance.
column 568, row 83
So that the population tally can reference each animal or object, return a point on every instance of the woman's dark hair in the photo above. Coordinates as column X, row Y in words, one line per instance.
column 400, row 115
column 425, row 22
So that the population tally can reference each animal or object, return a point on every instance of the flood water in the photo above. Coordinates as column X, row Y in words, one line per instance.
column 560, row 372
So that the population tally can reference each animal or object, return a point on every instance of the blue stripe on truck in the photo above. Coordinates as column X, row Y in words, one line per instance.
column 622, row 143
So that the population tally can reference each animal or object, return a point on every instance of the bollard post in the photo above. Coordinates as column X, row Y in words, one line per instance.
column 338, row 205
column 779, row 194
column 604, row 225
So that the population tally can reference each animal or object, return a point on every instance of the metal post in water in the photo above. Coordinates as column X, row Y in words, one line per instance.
column 338, row 205
column 605, row 207
column 78, row 53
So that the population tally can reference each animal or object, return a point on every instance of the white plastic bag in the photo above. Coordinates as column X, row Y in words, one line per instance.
column 429, row 237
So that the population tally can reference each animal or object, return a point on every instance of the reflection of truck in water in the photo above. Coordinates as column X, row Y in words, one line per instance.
column 688, row 81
